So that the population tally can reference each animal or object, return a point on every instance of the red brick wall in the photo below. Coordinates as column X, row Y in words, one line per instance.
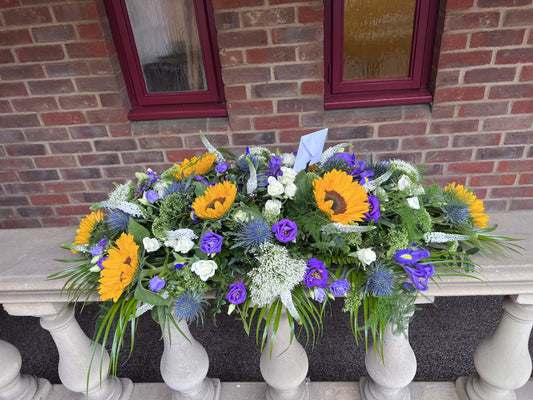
column 64, row 135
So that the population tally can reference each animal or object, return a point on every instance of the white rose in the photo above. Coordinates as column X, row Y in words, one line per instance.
column 366, row 256
column 273, row 207
column 240, row 216
column 288, row 159
column 404, row 182
column 413, row 203
column 181, row 245
column 288, row 175
column 151, row 244
column 275, row 188
column 290, row 190
column 204, row 268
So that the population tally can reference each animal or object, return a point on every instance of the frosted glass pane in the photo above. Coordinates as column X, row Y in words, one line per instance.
column 378, row 38
column 166, row 37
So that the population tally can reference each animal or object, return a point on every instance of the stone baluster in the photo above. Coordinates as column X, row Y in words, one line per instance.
column 284, row 365
column 75, row 352
column 184, row 365
column 388, row 377
column 502, row 361
column 13, row 385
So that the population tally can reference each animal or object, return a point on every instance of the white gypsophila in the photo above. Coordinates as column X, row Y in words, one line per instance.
column 406, row 167
column 262, row 153
column 251, row 184
column 290, row 190
column 276, row 275
column 275, row 187
column 289, row 175
column 129, row 208
column 210, row 148
column 151, row 244
column 160, row 186
column 273, row 207
column 205, row 269
column 326, row 155
column 337, row 227
column 366, row 256
column 442, row 237
column 374, row 184
column 288, row 159
column 413, row 203
column 122, row 192
column 181, row 233
column 181, row 245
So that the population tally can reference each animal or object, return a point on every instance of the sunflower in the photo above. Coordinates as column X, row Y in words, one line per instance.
column 119, row 268
column 87, row 225
column 216, row 200
column 475, row 206
column 341, row 198
column 198, row 166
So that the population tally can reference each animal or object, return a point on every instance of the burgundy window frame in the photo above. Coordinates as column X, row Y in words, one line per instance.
column 187, row 104
column 379, row 92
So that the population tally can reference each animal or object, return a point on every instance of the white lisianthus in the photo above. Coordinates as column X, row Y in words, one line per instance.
column 290, row 190
column 275, row 187
column 181, row 245
column 204, row 268
column 273, row 207
column 288, row 175
column 404, row 183
column 366, row 256
column 413, row 203
column 288, row 159
column 151, row 244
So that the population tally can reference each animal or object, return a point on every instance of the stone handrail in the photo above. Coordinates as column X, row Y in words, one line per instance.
column 502, row 365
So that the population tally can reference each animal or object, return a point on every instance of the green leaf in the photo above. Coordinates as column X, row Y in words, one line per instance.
column 138, row 231
column 149, row 297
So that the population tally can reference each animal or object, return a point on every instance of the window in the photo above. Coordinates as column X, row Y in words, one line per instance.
column 378, row 52
column 169, row 57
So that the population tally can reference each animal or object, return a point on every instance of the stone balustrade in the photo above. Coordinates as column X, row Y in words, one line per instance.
column 502, row 361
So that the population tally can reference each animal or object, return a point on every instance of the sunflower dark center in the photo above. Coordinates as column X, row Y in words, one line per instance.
column 339, row 204
column 127, row 261
column 221, row 200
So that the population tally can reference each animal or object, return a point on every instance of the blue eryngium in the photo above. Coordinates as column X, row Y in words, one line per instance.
column 119, row 221
column 253, row 233
column 380, row 281
column 190, row 306
column 456, row 214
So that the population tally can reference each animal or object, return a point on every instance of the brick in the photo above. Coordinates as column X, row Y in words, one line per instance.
column 299, row 105
column 39, row 175
column 515, row 166
column 447, row 156
column 73, row 12
column 73, row 210
column 506, row 192
column 11, row 136
column 311, row 52
column 81, row 173
column 20, row 72
column 402, row 129
column 48, row 87
column 527, row 73
column 46, row 134
column 97, row 84
column 107, row 116
column 6, row 57
column 297, row 34
column 227, row 20
column 526, row 179
column 121, row 172
column 519, row 137
column 232, row 58
column 478, row 139
column 27, row 212
column 90, row 31
column 459, row 4
column 78, row 101
column 298, row 71
column 425, row 142
column 71, row 147
column 521, row 204
column 502, row 3
column 27, row 16
column 13, row 89
column 499, row 153
column 251, row 108
column 56, row 162
column 349, row 132
column 269, row 55
column 65, row 69
column 485, row 75
column 310, row 14
column 492, row 180
column 63, row 118
column 111, row 100
column 120, row 130
column 456, row 41
column 522, row 107
column 14, row 37
column 469, row 21
column 55, row 33
column 236, row 76
column 511, row 91
column 269, row 90
column 179, row 155
column 518, row 17
column 240, row 124
column 465, row 59
column 223, row 4
column 19, row 121
column 23, row 188
column 35, row 104
column 16, row 150
column 88, row 132
column 497, row 38
column 455, row 126
column 90, row 197
column 315, row 119
column 115, row 145
column 99, row 159
column 5, row 107
column 233, row 93
column 101, row 67
column 64, row 187
column 268, row 17
column 465, row 168
column 244, row 38
column 460, row 94
column 254, row 139
column 22, row 223
column 312, row 87
column 515, row 56
column 87, row 50
column 145, row 157
column 276, row 122
column 483, row 109
column 508, row 123
column 7, row 201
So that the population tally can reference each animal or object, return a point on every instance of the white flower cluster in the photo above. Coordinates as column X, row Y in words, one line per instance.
column 442, row 237
column 180, row 240
column 288, row 159
column 283, row 185
column 122, row 192
column 406, row 168
column 160, row 187
column 337, row 227
column 125, row 206
column 276, row 275
column 326, row 155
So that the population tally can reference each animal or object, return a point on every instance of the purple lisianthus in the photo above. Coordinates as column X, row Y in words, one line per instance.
column 339, row 288
column 274, row 167
column 373, row 214
column 211, row 243
column 100, row 262
column 419, row 275
column 316, row 273
column 320, row 294
column 237, row 293
column 222, row 167
column 201, row 179
column 156, row 284
column 96, row 250
column 410, row 257
column 180, row 265
column 285, row 230
column 151, row 196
